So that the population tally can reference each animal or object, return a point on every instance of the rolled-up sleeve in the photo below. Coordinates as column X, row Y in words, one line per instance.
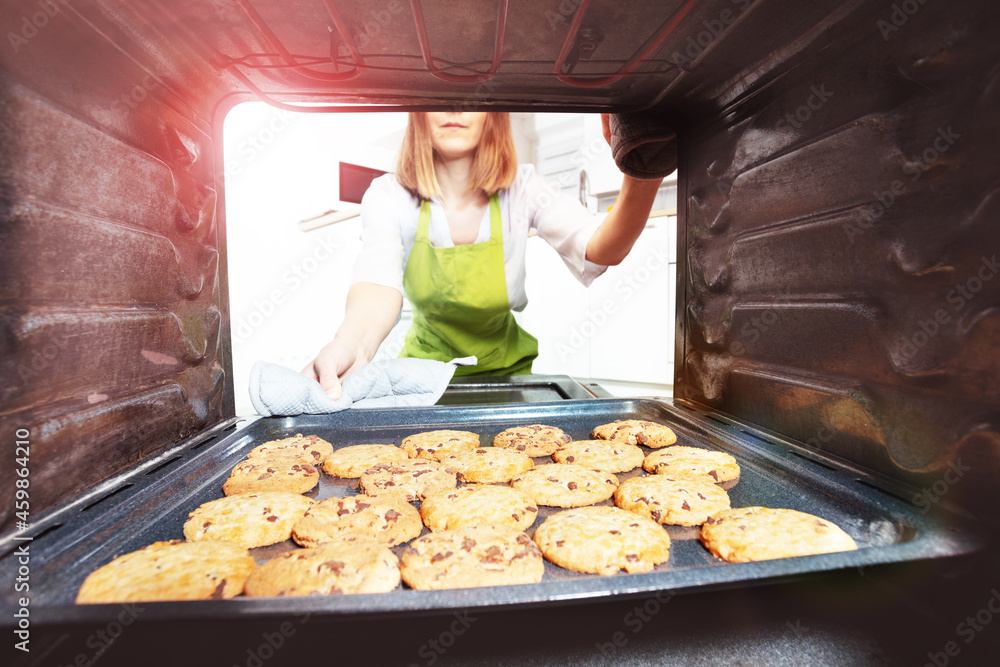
column 381, row 258
column 563, row 222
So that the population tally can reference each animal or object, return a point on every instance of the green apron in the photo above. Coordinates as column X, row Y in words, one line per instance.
column 460, row 304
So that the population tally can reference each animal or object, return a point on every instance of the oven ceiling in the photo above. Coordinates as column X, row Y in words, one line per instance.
column 559, row 54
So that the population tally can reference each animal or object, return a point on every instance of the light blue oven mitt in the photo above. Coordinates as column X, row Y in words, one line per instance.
column 279, row 391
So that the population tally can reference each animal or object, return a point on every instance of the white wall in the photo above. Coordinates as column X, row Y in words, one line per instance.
column 287, row 288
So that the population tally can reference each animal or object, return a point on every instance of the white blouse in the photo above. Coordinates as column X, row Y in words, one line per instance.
column 389, row 216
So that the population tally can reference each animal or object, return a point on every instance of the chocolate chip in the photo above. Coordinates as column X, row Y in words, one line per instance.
column 571, row 486
column 710, row 520
column 334, row 566
column 685, row 506
column 632, row 558
column 392, row 515
column 272, row 518
column 206, row 524
column 559, row 543
column 342, row 512
column 570, row 459
column 615, row 532
column 656, row 515
column 362, row 506
column 468, row 543
column 531, row 509
column 641, row 438
column 440, row 556
column 552, row 479
column 219, row 590
column 701, row 496
column 714, row 475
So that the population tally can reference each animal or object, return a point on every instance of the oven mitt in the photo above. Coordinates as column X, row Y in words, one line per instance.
column 643, row 145
column 279, row 391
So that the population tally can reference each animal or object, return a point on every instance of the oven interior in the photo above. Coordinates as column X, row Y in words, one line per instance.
column 837, row 209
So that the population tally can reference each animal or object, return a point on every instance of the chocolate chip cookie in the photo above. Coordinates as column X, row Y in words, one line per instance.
column 388, row 519
column 678, row 502
column 248, row 519
column 745, row 534
column 469, row 557
column 279, row 474
column 637, row 432
column 478, row 505
column 602, row 540
column 328, row 569
column 565, row 485
column 173, row 570
column 533, row 440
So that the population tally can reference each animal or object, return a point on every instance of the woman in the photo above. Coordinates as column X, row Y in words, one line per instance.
column 449, row 230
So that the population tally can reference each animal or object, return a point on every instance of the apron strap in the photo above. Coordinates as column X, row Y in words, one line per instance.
column 496, row 228
column 423, row 222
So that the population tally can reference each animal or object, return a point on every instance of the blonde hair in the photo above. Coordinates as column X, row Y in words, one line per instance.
column 494, row 164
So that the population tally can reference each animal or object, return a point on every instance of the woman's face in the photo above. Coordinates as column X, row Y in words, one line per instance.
column 455, row 134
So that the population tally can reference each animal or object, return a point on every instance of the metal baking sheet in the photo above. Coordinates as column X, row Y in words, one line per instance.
column 152, row 504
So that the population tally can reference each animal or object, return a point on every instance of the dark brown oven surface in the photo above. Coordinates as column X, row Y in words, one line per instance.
column 886, row 526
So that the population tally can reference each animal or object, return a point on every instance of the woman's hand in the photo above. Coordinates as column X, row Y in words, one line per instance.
column 606, row 127
column 335, row 361
column 370, row 314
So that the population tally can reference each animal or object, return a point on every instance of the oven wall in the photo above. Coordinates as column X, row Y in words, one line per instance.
column 113, row 317
column 841, row 282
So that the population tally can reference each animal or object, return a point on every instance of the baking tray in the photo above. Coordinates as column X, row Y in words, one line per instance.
column 152, row 503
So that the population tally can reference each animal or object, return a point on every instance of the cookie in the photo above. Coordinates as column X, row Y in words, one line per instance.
column 282, row 474
column 309, row 448
column 469, row 557
column 414, row 478
column 172, row 570
column 678, row 502
column 248, row 519
column 609, row 456
column 636, row 432
column 533, row 440
column 745, row 534
column 489, row 465
column 602, row 540
column 478, row 505
column 565, row 485
column 332, row 568
column 387, row 519
column 350, row 462
column 695, row 462
column 436, row 445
